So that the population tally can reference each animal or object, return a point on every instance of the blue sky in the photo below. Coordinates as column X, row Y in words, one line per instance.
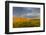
column 26, row 12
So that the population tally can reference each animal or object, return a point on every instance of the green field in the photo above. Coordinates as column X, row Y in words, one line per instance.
column 30, row 23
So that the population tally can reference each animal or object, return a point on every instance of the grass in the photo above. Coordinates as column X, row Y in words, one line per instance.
column 28, row 23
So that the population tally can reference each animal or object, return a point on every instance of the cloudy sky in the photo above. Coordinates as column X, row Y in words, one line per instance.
column 26, row 12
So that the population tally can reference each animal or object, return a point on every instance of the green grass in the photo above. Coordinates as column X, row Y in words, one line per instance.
column 32, row 23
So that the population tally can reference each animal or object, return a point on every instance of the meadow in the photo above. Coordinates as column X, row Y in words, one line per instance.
column 25, row 22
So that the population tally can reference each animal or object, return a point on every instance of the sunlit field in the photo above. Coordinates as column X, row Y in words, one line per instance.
column 25, row 22
column 26, row 17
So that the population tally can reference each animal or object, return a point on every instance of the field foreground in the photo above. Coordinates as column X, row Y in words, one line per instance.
column 25, row 22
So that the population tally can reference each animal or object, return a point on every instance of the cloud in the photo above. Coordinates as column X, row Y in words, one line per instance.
column 26, row 11
column 30, row 15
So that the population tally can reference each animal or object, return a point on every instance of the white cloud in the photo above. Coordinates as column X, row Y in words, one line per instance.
column 31, row 14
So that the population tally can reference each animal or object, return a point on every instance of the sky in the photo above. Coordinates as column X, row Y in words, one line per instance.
column 28, row 12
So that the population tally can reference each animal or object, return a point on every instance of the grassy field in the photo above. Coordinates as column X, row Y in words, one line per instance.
column 25, row 22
